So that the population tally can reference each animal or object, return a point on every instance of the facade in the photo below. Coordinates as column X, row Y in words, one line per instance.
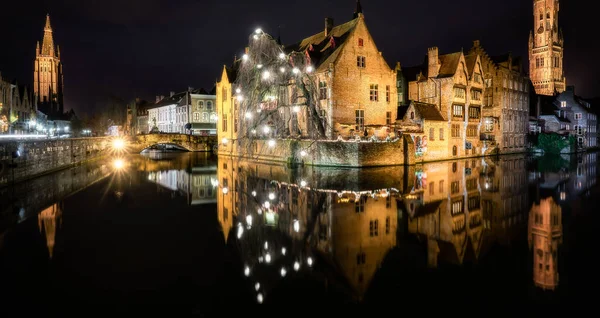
column 505, row 108
column 454, row 84
column 426, row 125
column 48, row 83
column 17, row 109
column 356, row 87
column 546, row 45
column 182, row 112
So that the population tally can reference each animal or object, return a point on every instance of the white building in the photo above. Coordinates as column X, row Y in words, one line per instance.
column 181, row 112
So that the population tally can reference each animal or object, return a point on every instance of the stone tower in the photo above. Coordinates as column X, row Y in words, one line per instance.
column 48, row 75
column 546, row 49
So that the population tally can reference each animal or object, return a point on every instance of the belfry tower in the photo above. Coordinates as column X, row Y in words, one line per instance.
column 47, row 74
column 546, row 49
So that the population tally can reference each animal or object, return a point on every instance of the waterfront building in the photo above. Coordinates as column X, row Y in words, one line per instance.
column 546, row 44
column 181, row 112
column 545, row 236
column 454, row 84
column 17, row 108
column 356, row 87
column 505, row 110
column 48, row 85
column 426, row 125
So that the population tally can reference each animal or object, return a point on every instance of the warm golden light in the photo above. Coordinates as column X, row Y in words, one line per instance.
column 118, row 164
column 118, row 144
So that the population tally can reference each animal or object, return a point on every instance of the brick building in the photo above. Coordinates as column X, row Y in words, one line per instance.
column 426, row 125
column 546, row 45
column 454, row 84
column 505, row 108
column 48, row 85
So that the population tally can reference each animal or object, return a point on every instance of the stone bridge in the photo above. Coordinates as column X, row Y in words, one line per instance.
column 189, row 142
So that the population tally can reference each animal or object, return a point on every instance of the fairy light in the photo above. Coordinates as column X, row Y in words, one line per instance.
column 266, row 75
column 258, row 31
column 238, row 90
column 253, row 193
column 240, row 98
column 295, row 70
column 309, row 69
column 259, row 66
column 272, row 143
column 248, row 115
column 271, row 196
column 282, row 56
column 224, row 141
column 266, row 129
column 296, row 109
column 282, row 69
column 296, row 266
column 247, row 271
column 303, row 153
column 303, row 183
column 245, row 57
column 267, row 204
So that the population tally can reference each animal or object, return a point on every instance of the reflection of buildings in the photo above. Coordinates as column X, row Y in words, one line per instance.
column 545, row 234
column 49, row 220
column 197, row 184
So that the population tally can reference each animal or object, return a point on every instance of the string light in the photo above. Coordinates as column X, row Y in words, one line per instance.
column 248, row 115
column 295, row 70
column 255, row 37
column 253, row 193
column 257, row 286
column 240, row 98
column 266, row 75
column 296, row 226
column 225, row 190
column 309, row 261
column 296, row 109
column 237, row 90
column 267, row 204
column 266, row 129
column 259, row 298
column 245, row 57
column 224, row 141
column 272, row 143
column 258, row 31
column 309, row 69
column 282, row 56
column 266, row 245
column 283, row 250
column 268, row 258
column 303, row 153
column 282, row 69
column 259, row 66
column 271, row 196
column 303, row 183
column 253, row 131
column 249, row 219
column 296, row 266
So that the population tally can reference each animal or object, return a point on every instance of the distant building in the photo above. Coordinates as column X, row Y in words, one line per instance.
column 546, row 45
column 203, row 110
column 425, row 124
column 48, row 83
column 17, row 108
column 189, row 111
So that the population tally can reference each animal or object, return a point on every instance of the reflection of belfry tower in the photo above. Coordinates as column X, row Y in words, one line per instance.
column 48, row 221
column 47, row 74
column 545, row 234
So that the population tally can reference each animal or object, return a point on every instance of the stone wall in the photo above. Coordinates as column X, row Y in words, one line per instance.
column 37, row 157
column 190, row 142
column 329, row 153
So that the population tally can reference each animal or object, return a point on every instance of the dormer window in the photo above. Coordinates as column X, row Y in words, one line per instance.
column 360, row 42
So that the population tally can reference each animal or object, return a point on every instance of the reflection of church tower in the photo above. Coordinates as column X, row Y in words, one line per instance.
column 545, row 234
column 47, row 74
column 48, row 221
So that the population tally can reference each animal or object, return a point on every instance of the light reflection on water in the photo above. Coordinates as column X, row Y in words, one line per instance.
column 344, row 227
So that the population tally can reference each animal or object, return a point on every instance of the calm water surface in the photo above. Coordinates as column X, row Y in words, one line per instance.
column 193, row 233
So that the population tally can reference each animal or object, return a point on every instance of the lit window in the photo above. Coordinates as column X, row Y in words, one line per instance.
column 360, row 42
column 374, row 92
column 361, row 61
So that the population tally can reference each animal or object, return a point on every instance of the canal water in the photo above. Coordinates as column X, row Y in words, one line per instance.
column 193, row 233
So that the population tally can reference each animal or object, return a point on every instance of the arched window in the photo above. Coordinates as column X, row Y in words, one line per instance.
column 200, row 105
column 209, row 105
column 454, row 165
column 454, row 150
column 196, row 116
column 412, row 115
column 548, row 15
column 204, row 116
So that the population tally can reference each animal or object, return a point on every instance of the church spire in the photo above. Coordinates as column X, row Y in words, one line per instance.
column 48, row 41
column 358, row 9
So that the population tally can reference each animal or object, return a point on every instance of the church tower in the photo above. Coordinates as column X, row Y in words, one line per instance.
column 47, row 74
column 546, row 49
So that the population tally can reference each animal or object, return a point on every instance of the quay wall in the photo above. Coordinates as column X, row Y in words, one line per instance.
column 24, row 159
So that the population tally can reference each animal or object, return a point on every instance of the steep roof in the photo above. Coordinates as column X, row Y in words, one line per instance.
column 428, row 111
column 470, row 60
column 233, row 70
column 324, row 49
column 449, row 64
column 401, row 112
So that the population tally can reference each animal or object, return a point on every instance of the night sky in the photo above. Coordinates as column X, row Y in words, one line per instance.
column 144, row 48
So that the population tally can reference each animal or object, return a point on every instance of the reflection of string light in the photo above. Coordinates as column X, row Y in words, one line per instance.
column 249, row 219
column 257, row 286
column 283, row 272
column 240, row 231
column 253, row 193
column 296, row 266
column 267, row 204
column 266, row 245
column 302, row 153
column 225, row 190
column 259, row 298
column 247, row 271
column 296, row 226
column 259, row 211
column 283, row 250
column 268, row 258
column 271, row 196
column 260, row 259
column 309, row 261
column 303, row 183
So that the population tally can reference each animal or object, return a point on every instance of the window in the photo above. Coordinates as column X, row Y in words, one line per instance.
column 196, row 116
column 473, row 203
column 360, row 258
column 209, row 105
column 360, row 42
column 474, row 112
column 455, row 187
column 387, row 93
column 374, row 228
column 224, row 123
column 322, row 113
column 578, row 116
column 441, row 133
column 431, row 134
column 455, row 131
column 388, row 202
column 322, row 90
column 472, row 183
column 200, row 105
column 360, row 118
column 387, row 225
column 457, row 110
column 412, row 115
column 477, row 78
column 224, row 93
column 442, row 186
column 431, row 188
column 472, row 131
column 361, row 61
column 475, row 95
column 374, row 92
column 563, row 103
column 388, row 118
column 235, row 124
column 459, row 92
column 457, row 207
column 359, row 205
column 454, row 150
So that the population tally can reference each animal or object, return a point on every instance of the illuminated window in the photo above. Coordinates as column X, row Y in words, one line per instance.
column 455, row 187
column 459, row 92
column 457, row 110
column 388, row 118
column 200, row 104
column 360, row 42
column 441, row 133
column 224, row 124
column 374, row 228
column 457, row 207
column 474, row 112
column 322, row 90
column 455, row 131
column 360, row 118
column 209, row 105
column 387, row 93
column 442, row 186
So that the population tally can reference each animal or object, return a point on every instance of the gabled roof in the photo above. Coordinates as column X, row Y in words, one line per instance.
column 427, row 111
column 470, row 60
column 401, row 112
column 324, row 49
column 232, row 71
column 449, row 64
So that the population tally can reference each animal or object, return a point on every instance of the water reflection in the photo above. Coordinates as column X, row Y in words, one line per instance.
column 49, row 222
column 350, row 220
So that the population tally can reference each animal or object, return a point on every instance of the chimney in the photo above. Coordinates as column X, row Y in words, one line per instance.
column 476, row 43
column 398, row 67
column 328, row 26
column 171, row 94
column 433, row 62
column 162, row 97
column 157, row 98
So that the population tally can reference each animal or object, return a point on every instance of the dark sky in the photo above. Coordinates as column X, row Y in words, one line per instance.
column 130, row 48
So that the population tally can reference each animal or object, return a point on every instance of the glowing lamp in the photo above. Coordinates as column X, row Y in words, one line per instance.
column 282, row 55
column 271, row 143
